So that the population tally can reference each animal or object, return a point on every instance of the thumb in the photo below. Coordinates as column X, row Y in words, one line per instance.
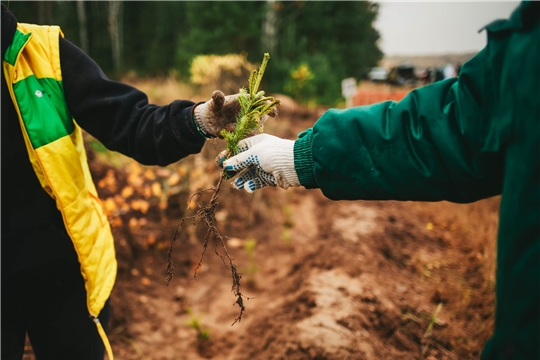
column 220, row 158
column 218, row 99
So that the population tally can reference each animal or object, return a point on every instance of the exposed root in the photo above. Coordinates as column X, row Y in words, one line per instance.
column 255, row 107
column 206, row 213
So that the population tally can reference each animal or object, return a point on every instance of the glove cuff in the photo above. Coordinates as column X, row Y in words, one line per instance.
column 198, row 120
column 285, row 173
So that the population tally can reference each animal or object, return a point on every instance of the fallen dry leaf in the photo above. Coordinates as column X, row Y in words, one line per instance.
column 134, row 180
column 163, row 204
column 147, row 191
column 135, row 168
column 156, row 189
column 174, row 179
column 163, row 172
column 140, row 205
column 110, row 205
column 127, row 191
column 133, row 223
column 149, row 174
column 150, row 240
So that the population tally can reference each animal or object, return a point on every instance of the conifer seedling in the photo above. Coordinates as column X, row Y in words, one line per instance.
column 254, row 106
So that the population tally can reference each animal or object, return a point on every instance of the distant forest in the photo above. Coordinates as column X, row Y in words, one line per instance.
column 323, row 41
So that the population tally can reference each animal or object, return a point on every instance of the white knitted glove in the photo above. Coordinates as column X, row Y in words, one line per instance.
column 220, row 112
column 267, row 161
column 217, row 113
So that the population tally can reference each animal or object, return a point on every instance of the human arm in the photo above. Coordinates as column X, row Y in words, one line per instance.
column 438, row 143
column 121, row 117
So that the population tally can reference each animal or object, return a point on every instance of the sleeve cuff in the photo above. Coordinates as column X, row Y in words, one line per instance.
column 199, row 124
column 183, row 127
column 303, row 159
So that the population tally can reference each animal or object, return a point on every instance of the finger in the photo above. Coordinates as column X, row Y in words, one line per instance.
column 265, row 178
column 254, row 178
column 220, row 158
column 224, row 154
column 229, row 127
column 230, row 109
column 237, row 179
column 247, row 175
column 255, row 184
column 218, row 99
column 250, row 187
column 242, row 160
column 239, row 182
column 245, row 155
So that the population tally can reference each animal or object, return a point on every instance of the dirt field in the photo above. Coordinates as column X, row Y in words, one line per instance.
column 326, row 280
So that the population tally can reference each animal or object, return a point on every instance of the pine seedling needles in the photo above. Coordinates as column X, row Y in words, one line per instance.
column 254, row 108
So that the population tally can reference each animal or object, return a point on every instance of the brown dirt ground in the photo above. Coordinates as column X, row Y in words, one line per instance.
column 327, row 280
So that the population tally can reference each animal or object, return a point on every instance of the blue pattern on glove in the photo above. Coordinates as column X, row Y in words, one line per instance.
column 251, row 160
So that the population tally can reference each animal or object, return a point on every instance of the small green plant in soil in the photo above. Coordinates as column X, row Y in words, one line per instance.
column 252, row 267
column 286, row 236
column 288, row 222
column 195, row 323
column 254, row 106
column 433, row 320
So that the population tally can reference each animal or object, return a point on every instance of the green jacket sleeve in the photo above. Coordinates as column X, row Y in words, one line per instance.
column 430, row 146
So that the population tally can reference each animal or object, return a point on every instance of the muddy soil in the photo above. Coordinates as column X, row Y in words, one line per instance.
column 326, row 279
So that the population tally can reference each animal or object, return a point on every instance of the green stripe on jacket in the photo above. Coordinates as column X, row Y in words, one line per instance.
column 42, row 103
column 19, row 39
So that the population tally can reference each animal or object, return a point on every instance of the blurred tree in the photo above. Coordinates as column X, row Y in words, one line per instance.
column 100, row 46
column 44, row 11
column 148, row 31
column 300, row 78
column 333, row 39
column 83, row 30
column 66, row 15
column 221, row 27
column 269, row 27
column 151, row 33
column 115, row 30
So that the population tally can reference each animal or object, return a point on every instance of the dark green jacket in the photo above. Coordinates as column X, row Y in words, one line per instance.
column 460, row 140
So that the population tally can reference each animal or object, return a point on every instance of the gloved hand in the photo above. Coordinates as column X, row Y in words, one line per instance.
column 220, row 112
column 264, row 160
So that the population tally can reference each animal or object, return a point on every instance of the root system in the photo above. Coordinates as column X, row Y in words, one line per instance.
column 254, row 108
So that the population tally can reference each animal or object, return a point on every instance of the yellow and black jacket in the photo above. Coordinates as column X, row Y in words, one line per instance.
column 56, row 151
column 50, row 83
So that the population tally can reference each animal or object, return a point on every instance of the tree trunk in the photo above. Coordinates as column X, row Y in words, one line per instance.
column 115, row 30
column 83, row 33
column 269, row 28
column 44, row 12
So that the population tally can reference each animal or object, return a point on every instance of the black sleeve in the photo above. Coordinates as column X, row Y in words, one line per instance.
column 120, row 116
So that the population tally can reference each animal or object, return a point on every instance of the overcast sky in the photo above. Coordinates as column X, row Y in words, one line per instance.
column 422, row 28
